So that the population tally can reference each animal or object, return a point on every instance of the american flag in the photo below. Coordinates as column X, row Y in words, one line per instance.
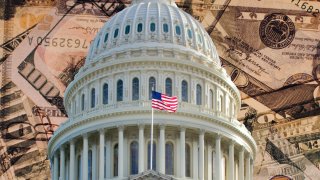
column 163, row 102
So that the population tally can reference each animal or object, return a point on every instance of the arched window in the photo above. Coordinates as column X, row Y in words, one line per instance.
column 79, row 168
column 165, row 28
column 199, row 94
column 152, row 86
column 106, row 37
column 178, row 30
column 120, row 90
column 189, row 33
column 211, row 99
column 93, row 97
column 188, row 161
column 127, row 30
column 184, row 91
column 82, row 102
column 139, row 27
column 168, row 87
column 105, row 93
column 90, row 165
column 153, row 27
column 154, row 153
column 134, row 157
column 169, row 158
column 135, row 89
column 116, row 33
column 115, row 160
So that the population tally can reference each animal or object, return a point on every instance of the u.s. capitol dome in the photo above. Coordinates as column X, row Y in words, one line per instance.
column 152, row 44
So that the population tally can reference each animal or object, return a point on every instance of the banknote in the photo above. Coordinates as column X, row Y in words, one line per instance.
column 277, row 75
column 288, row 148
column 27, row 124
column 50, row 56
column 264, row 63
column 104, row 8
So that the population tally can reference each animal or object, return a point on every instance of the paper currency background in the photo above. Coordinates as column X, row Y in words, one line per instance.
column 270, row 48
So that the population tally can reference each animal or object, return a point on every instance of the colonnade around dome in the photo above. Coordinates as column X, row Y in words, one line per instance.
column 181, row 152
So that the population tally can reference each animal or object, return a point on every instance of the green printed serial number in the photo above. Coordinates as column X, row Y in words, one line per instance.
column 305, row 6
column 61, row 42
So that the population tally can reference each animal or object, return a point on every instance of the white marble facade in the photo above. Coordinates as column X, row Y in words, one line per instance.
column 107, row 135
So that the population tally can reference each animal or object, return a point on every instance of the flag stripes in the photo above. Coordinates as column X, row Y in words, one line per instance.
column 164, row 102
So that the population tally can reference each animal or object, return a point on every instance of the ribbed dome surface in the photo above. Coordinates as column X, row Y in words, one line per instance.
column 153, row 24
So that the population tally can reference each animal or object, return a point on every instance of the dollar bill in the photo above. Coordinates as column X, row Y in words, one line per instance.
column 26, row 124
column 263, row 65
column 50, row 56
column 279, row 80
column 288, row 148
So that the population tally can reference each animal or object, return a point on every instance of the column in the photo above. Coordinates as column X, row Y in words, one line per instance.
column 162, row 150
column 183, row 152
column 231, row 161
column 101, row 154
column 72, row 160
column 218, row 157
column 55, row 167
column 248, row 167
column 141, row 148
column 251, row 168
column 241, row 164
column 216, row 98
column 201, row 155
column 209, row 162
column 62, row 163
column 94, row 162
column 108, row 158
column 120, row 153
column 225, row 103
column 195, row 159
column 85, row 157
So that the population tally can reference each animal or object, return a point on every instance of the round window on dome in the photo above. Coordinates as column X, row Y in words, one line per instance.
column 153, row 27
column 116, row 33
column 139, row 27
column 106, row 37
column 127, row 30
column 190, row 33
column 178, row 30
column 165, row 28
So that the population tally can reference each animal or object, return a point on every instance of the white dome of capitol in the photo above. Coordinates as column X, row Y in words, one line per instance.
column 153, row 24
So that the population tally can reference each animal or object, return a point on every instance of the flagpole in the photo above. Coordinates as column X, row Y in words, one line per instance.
column 151, row 143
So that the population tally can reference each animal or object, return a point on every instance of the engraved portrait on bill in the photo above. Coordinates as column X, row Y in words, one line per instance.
column 270, row 49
